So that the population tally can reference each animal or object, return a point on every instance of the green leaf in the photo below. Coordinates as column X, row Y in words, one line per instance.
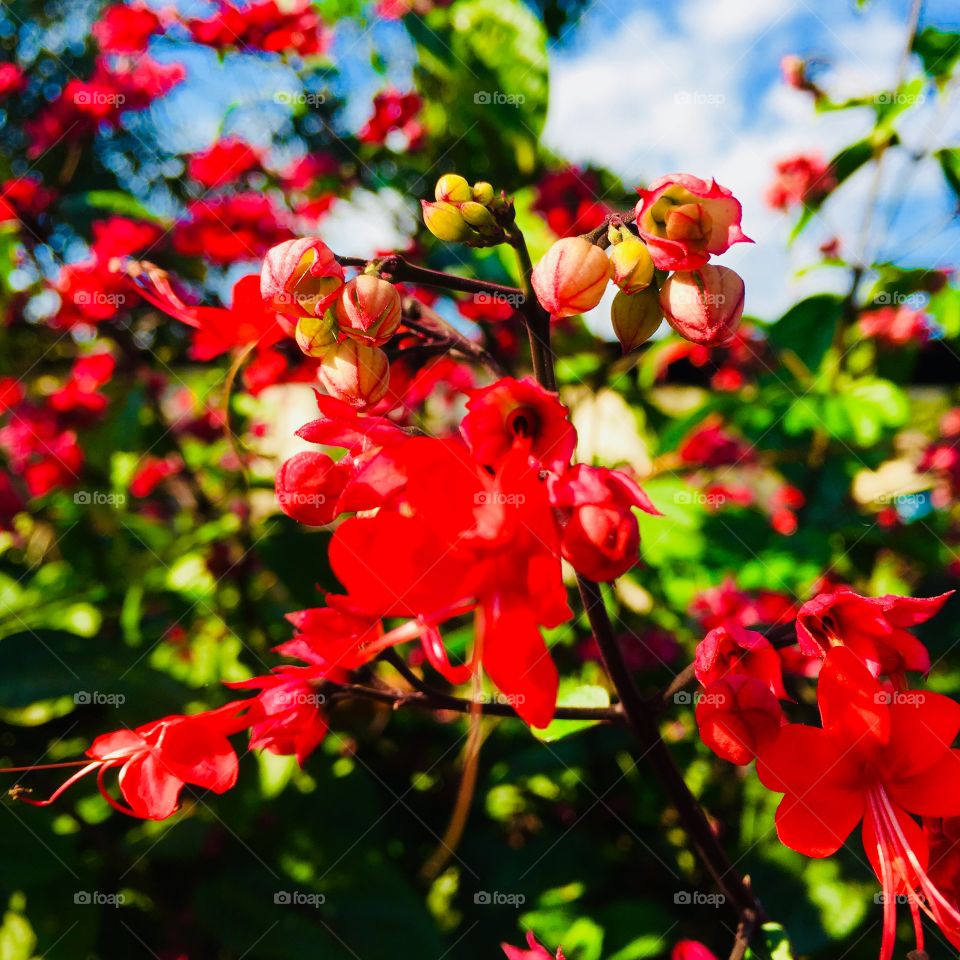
column 938, row 50
column 17, row 938
column 873, row 405
column 113, row 201
column 807, row 328
column 949, row 159
column 573, row 694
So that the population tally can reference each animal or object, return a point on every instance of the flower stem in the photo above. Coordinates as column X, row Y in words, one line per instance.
column 537, row 319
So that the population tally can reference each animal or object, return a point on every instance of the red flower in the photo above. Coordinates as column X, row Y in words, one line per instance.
column 873, row 627
column 804, row 178
column 159, row 758
column 392, row 111
column 12, row 79
column 738, row 717
column 731, row 649
column 600, row 536
column 895, row 326
column 222, row 163
column 308, row 487
column 242, row 226
column 152, row 471
column 518, row 414
column 709, row 445
column 878, row 758
column 684, row 220
column 691, row 950
column 568, row 200
column 535, row 950
column 264, row 25
column 125, row 28
column 24, row 197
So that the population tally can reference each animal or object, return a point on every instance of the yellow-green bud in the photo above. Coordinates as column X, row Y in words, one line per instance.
column 483, row 192
column 316, row 335
column 632, row 264
column 636, row 317
column 452, row 188
column 478, row 216
column 444, row 221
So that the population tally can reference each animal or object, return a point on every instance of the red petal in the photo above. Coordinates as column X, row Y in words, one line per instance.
column 150, row 789
column 853, row 705
column 818, row 823
column 933, row 793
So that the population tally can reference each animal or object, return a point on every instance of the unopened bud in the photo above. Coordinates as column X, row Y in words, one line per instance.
column 368, row 310
column 478, row 216
column 452, row 188
column 632, row 263
column 356, row 373
column 444, row 221
column 571, row 277
column 316, row 335
column 635, row 317
column 483, row 192
column 705, row 305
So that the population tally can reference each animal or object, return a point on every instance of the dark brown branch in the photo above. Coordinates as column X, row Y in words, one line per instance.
column 418, row 316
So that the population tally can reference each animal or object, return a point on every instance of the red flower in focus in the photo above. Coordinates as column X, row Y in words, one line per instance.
column 600, row 536
column 804, row 178
column 733, row 650
column 567, row 200
column 392, row 111
column 159, row 758
column 878, row 758
column 125, row 28
column 534, row 951
column 895, row 326
column 684, row 220
column 518, row 414
column 874, row 628
column 308, row 487
column 222, row 163
column 738, row 717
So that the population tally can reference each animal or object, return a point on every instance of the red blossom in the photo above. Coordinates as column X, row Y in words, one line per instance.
column 223, row 230
column 731, row 649
column 224, row 162
column 738, row 717
column 895, row 326
column 393, row 111
column 803, row 178
column 125, row 28
column 534, row 951
column 288, row 27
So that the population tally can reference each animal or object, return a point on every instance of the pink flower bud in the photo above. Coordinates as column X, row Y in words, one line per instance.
column 636, row 317
column 704, row 306
column 571, row 277
column 738, row 717
column 684, row 220
column 300, row 277
column 308, row 487
column 356, row 373
column 368, row 310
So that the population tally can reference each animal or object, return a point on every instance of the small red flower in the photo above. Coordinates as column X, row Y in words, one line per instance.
column 691, row 950
column 308, row 487
column 873, row 627
column 804, row 178
column 125, row 28
column 534, row 951
column 223, row 163
column 731, row 649
column 738, row 717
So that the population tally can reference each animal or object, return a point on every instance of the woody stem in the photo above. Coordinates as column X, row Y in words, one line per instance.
column 641, row 716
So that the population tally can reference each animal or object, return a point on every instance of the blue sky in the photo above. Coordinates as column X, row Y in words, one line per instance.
column 654, row 88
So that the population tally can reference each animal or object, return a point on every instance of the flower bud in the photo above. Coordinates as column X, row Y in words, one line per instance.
column 483, row 192
column 308, row 487
column 478, row 216
column 636, row 317
column 738, row 717
column 704, row 306
column 300, row 277
column 316, row 335
column 444, row 221
column 356, row 373
column 452, row 188
column 632, row 263
column 368, row 310
column 571, row 277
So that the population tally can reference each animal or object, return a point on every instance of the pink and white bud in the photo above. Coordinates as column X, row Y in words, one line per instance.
column 368, row 310
column 300, row 277
column 704, row 306
column 356, row 373
column 571, row 277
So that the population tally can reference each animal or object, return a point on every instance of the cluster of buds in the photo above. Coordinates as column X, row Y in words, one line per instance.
column 465, row 214
column 680, row 223
column 342, row 323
